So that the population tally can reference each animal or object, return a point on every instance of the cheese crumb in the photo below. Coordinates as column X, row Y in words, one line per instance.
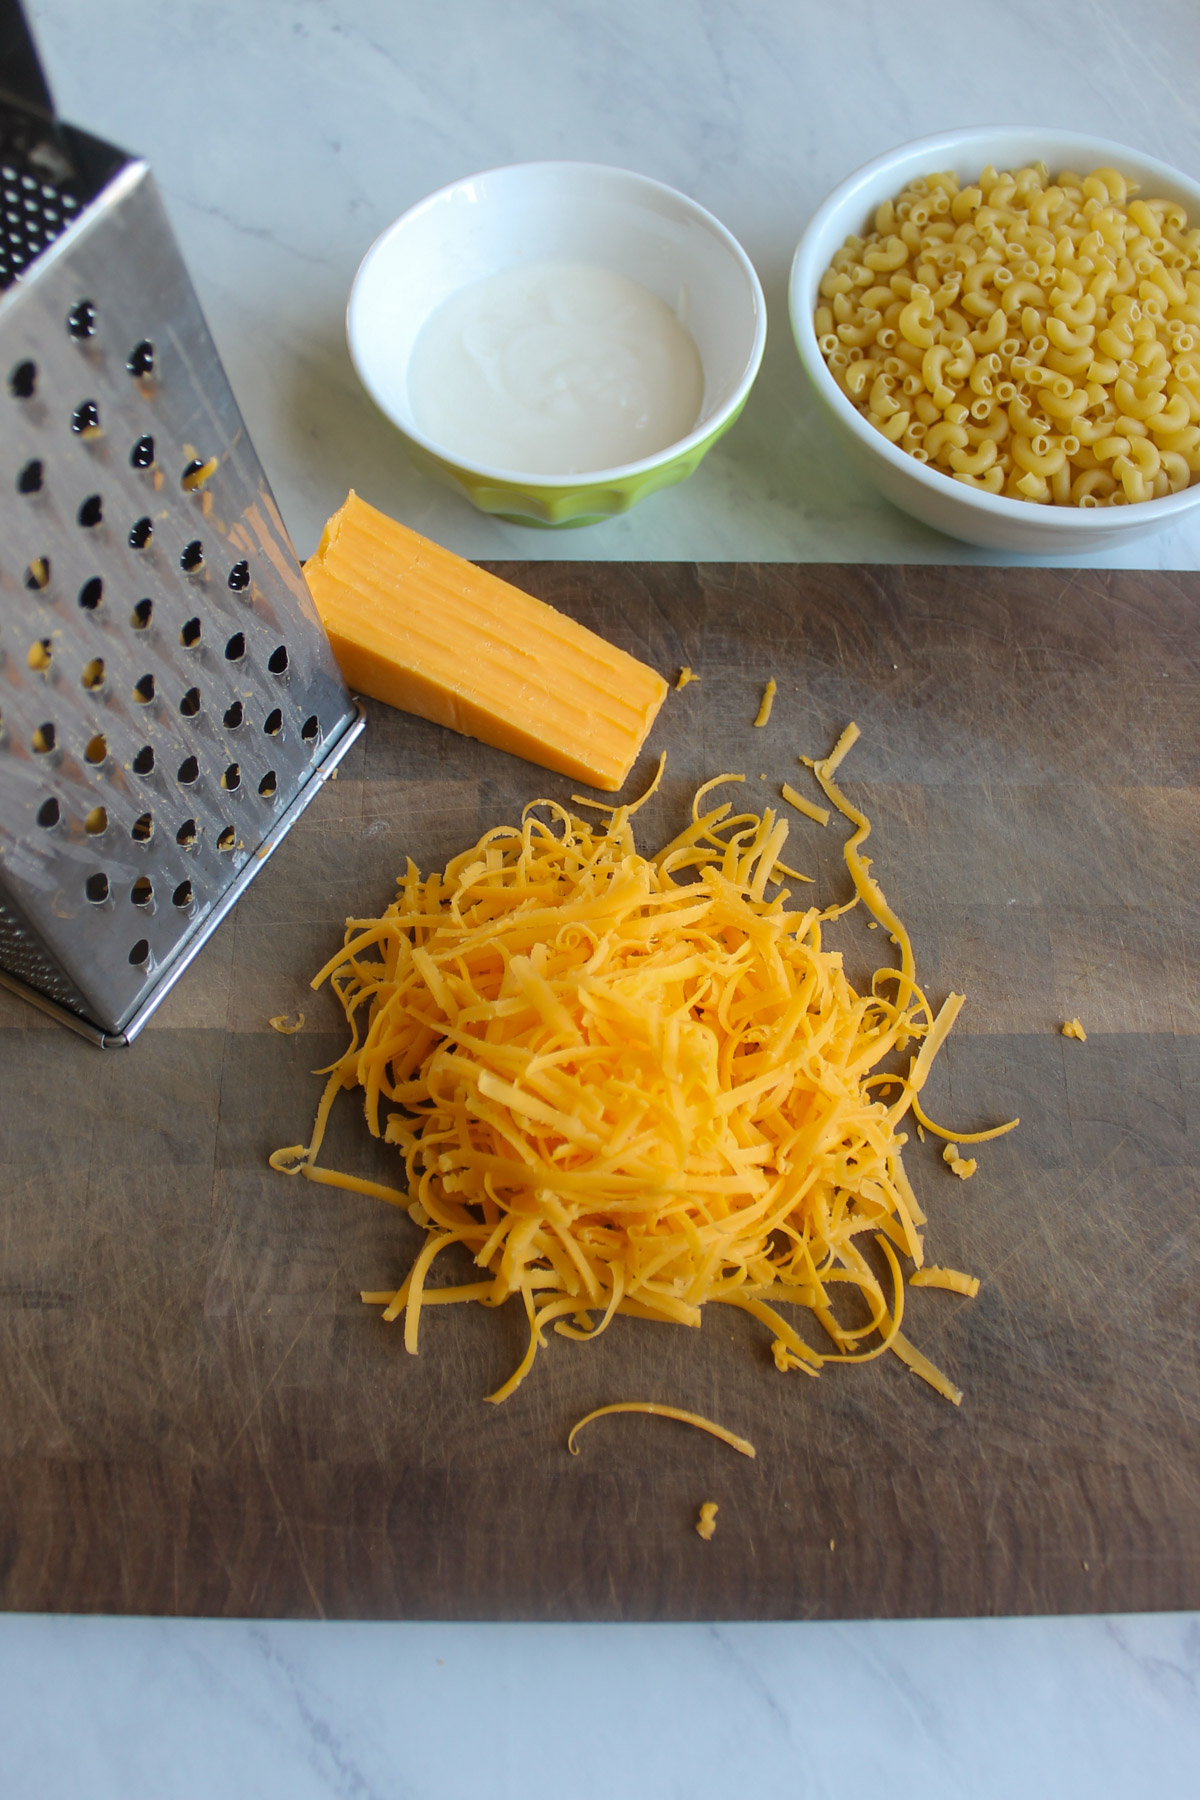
column 707, row 1522
column 1073, row 1029
column 961, row 1166
column 685, row 675
column 282, row 1022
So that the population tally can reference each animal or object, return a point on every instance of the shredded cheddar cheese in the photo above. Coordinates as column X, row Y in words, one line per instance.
column 706, row 1524
column 641, row 1085
column 925, row 1124
column 953, row 1279
column 685, row 675
column 767, row 702
column 808, row 807
column 1073, row 1029
column 740, row 1444
column 284, row 1023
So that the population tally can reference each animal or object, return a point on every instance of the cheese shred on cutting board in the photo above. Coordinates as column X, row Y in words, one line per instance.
column 641, row 1085
column 420, row 628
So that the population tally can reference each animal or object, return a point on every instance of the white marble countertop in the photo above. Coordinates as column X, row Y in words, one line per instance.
column 284, row 137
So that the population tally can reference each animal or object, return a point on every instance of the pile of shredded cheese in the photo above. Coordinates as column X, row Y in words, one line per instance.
column 639, row 1085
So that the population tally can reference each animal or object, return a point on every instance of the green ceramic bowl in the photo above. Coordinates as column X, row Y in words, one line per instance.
column 564, row 213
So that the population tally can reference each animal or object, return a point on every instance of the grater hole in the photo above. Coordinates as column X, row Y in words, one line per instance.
column 85, row 420
column 189, row 706
column 44, row 738
column 40, row 654
column 96, row 822
column 142, row 891
column 81, row 320
column 235, row 649
column 142, row 829
column 186, row 835
column 192, row 558
column 97, row 750
column 268, row 784
column 227, row 839
column 234, row 715
column 143, row 690
column 143, row 762
column 189, row 771
column 310, row 729
column 96, row 889
column 140, row 953
column 37, row 575
column 142, row 454
column 91, row 594
column 273, row 723
column 182, row 895
column 29, row 481
column 197, row 473
column 91, row 512
column 140, row 534
column 142, row 614
column 190, row 635
column 239, row 576
column 141, row 359
column 48, row 814
column 93, row 673
column 277, row 662
column 232, row 778
column 22, row 381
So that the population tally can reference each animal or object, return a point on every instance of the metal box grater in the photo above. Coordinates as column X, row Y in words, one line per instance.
column 169, row 703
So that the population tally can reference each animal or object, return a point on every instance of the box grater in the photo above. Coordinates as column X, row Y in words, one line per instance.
column 168, row 700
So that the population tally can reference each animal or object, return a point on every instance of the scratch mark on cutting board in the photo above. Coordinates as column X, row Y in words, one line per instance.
column 935, row 1329
column 284, row 1519
column 272, row 1378
column 43, row 1391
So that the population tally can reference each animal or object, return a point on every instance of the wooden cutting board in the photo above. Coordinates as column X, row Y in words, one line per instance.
column 197, row 1415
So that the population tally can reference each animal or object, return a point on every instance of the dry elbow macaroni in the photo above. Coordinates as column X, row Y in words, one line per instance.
column 1034, row 339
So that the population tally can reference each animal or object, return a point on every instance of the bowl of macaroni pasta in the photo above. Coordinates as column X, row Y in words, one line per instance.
column 1004, row 327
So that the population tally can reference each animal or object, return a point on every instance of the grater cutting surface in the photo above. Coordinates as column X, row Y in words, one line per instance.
column 166, row 689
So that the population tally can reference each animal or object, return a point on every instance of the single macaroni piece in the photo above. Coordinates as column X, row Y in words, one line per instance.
column 1037, row 339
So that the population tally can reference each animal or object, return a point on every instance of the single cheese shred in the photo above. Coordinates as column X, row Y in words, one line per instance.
column 767, row 702
column 706, row 1524
column 955, row 1281
column 640, row 1085
column 652, row 1407
column 1073, row 1029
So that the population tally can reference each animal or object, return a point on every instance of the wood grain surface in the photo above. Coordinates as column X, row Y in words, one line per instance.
column 198, row 1416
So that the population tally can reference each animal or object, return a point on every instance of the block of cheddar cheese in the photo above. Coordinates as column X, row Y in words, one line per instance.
column 420, row 628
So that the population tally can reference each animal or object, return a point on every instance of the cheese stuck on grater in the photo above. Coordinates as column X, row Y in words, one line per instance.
column 418, row 627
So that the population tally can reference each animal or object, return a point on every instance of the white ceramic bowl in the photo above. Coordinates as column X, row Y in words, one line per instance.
column 559, row 212
column 937, row 499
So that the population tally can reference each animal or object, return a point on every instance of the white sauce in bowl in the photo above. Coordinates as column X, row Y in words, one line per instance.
column 554, row 369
